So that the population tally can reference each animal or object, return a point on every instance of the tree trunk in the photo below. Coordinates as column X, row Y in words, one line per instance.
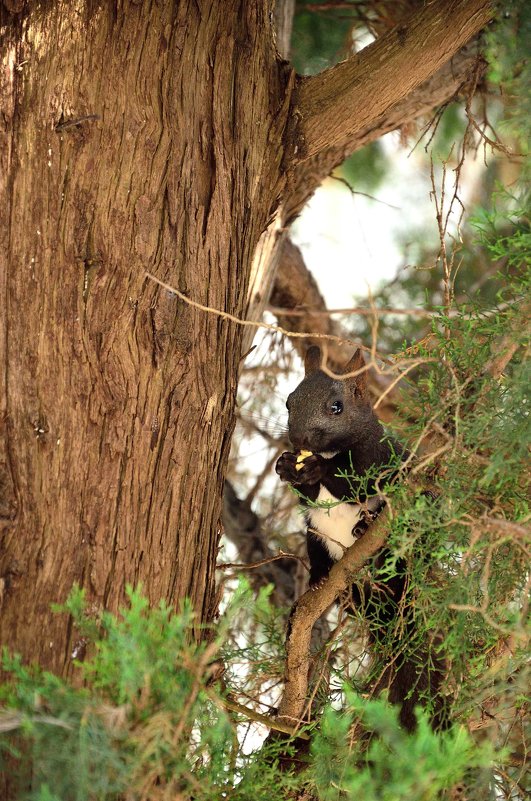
column 135, row 136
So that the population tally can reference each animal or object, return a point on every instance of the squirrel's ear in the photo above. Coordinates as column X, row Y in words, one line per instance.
column 312, row 360
column 357, row 362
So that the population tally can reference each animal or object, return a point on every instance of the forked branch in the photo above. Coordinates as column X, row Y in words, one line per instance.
column 333, row 106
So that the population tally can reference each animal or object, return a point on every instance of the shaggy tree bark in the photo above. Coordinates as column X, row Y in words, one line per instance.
column 137, row 137
column 141, row 137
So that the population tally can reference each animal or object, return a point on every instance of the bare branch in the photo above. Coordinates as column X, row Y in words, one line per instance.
column 442, row 88
column 230, row 703
column 308, row 610
column 332, row 107
column 232, row 318
column 363, row 311
column 243, row 527
column 261, row 563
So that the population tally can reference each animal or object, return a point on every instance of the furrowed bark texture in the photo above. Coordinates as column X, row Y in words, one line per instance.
column 134, row 137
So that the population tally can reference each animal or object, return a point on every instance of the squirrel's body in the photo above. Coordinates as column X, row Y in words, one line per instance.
column 339, row 485
column 336, row 522
column 333, row 418
column 335, row 511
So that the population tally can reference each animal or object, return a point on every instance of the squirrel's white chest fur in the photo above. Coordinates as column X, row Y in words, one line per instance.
column 334, row 525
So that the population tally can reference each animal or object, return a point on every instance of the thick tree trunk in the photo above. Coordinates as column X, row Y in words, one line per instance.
column 135, row 136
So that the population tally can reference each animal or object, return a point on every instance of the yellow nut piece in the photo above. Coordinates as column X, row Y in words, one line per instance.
column 300, row 459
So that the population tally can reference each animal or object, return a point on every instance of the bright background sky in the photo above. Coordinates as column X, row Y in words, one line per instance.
column 349, row 241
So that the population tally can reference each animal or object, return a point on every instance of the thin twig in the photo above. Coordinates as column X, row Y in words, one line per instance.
column 14, row 720
column 239, row 321
column 261, row 563
column 267, row 720
column 361, row 310
column 365, row 312
column 60, row 126
column 353, row 191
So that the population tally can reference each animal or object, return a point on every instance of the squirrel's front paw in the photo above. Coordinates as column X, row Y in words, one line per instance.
column 297, row 468
column 312, row 469
column 286, row 467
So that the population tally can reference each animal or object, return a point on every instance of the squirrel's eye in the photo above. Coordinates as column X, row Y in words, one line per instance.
column 336, row 407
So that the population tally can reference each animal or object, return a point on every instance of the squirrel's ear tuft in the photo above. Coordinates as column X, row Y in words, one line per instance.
column 312, row 360
column 357, row 362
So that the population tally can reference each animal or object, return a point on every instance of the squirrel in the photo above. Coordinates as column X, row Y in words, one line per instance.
column 341, row 459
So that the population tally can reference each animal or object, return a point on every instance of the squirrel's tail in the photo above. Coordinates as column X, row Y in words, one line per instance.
column 417, row 680
column 415, row 668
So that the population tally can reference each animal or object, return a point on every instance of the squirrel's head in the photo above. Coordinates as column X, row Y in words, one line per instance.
column 330, row 414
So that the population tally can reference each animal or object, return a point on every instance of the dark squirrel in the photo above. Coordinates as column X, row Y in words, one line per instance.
column 349, row 462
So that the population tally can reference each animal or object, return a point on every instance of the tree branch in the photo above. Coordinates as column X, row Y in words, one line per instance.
column 296, row 288
column 445, row 86
column 243, row 528
column 311, row 606
column 335, row 105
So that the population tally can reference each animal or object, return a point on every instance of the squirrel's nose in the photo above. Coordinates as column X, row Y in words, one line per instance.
column 297, row 439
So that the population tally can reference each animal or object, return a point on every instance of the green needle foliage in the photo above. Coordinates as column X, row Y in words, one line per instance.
column 395, row 766
column 141, row 718
column 145, row 721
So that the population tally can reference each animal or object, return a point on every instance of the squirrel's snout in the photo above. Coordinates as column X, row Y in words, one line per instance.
column 298, row 443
